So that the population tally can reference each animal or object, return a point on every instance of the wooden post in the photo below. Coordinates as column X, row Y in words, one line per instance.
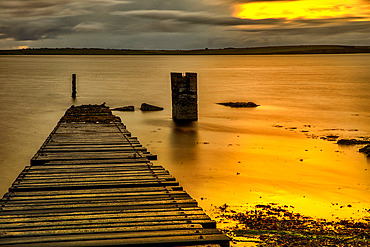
column 74, row 92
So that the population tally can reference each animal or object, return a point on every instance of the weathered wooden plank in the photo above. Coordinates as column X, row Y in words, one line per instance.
column 91, row 177
column 92, row 192
column 91, row 148
column 87, row 201
column 89, row 130
column 98, row 177
column 91, row 213
column 121, row 135
column 139, row 178
column 91, row 171
column 67, row 141
column 204, row 241
column 84, row 144
column 103, row 205
column 43, row 199
column 143, row 205
column 96, row 197
column 99, row 164
column 92, row 174
column 92, row 155
column 149, row 238
column 104, row 223
column 81, row 166
column 143, row 183
column 85, row 162
column 82, row 231
column 96, row 218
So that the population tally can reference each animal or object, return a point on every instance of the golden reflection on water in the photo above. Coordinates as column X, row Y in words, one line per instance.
column 246, row 162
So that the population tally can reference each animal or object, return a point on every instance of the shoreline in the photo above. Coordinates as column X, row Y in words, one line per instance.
column 281, row 225
column 270, row 50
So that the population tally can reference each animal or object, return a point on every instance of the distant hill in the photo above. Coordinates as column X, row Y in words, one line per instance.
column 271, row 50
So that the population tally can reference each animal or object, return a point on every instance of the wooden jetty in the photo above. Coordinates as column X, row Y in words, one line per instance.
column 92, row 184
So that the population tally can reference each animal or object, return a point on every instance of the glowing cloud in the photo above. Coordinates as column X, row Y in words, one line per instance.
column 303, row 9
column 21, row 47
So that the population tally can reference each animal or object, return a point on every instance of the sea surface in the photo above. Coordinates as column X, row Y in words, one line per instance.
column 274, row 153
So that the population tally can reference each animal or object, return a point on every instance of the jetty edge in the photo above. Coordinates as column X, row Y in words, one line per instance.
column 92, row 184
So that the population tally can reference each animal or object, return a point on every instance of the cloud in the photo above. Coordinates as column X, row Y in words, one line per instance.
column 218, row 2
column 22, row 31
column 158, row 24
column 202, row 18
column 324, row 30
column 47, row 8
column 19, row 8
column 89, row 26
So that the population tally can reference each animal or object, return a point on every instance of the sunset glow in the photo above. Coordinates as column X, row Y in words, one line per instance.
column 303, row 9
column 21, row 47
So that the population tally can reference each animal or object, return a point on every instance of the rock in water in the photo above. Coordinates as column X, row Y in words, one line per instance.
column 352, row 142
column 365, row 150
column 239, row 104
column 124, row 108
column 148, row 107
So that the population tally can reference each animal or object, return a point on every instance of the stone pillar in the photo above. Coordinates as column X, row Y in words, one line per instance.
column 184, row 97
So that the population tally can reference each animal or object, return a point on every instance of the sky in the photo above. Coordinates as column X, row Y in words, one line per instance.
column 181, row 24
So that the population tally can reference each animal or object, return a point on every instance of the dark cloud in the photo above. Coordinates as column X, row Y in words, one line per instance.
column 158, row 24
column 18, row 8
column 203, row 18
column 32, row 31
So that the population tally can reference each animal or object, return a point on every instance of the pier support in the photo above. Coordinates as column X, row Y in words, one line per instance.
column 184, row 97
column 74, row 91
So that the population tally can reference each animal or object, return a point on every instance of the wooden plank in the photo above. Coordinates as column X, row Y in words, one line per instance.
column 84, row 144
column 107, row 205
column 85, row 162
column 91, row 213
column 92, row 174
column 118, row 216
column 94, row 197
column 92, row 155
column 162, row 237
column 98, row 191
column 91, row 148
column 91, row 171
column 77, row 165
column 98, row 177
column 143, row 183
column 82, row 231
column 129, row 158
column 104, row 223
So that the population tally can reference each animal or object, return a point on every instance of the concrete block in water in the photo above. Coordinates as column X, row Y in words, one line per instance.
column 184, row 97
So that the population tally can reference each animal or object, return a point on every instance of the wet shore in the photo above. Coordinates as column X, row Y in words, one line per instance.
column 276, row 225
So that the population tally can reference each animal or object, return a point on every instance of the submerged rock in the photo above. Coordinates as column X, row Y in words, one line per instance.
column 124, row 108
column 239, row 104
column 148, row 107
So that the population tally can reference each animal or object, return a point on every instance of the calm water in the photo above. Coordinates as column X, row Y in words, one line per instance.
column 233, row 156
